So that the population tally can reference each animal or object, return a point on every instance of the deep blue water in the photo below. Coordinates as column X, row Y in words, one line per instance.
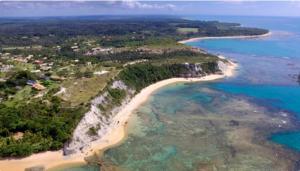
column 268, row 66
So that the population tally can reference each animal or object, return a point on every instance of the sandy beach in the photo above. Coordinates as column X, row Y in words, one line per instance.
column 224, row 37
column 52, row 159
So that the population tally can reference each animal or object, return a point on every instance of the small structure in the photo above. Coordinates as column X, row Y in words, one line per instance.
column 18, row 135
column 35, row 71
column 45, row 68
column 30, row 82
column 39, row 62
column 100, row 72
column 21, row 59
column 74, row 47
column 56, row 78
column 99, row 50
column 29, row 57
column 36, row 85
column 6, row 68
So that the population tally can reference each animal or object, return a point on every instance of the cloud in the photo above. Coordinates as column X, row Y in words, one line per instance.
column 143, row 5
column 84, row 7
column 131, row 4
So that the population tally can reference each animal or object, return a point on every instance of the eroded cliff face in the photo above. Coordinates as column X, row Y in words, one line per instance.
column 99, row 120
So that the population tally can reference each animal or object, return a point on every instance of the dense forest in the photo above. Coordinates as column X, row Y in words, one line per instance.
column 141, row 75
column 53, row 31
column 37, row 126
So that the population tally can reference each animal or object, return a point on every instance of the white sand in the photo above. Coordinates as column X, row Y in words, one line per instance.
column 224, row 37
column 55, row 158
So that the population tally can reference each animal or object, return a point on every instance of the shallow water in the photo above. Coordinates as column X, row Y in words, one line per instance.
column 270, row 66
column 190, row 126
column 212, row 125
column 80, row 168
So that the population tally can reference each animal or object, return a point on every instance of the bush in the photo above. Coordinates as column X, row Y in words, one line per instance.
column 92, row 131
column 117, row 95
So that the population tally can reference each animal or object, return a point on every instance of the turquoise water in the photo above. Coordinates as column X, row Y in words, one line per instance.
column 287, row 139
column 281, row 97
column 187, row 127
column 204, row 125
column 269, row 66
column 268, row 47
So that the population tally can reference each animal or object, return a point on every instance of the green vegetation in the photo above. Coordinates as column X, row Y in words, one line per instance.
column 141, row 75
column 187, row 30
column 17, row 80
column 51, row 68
column 82, row 90
column 45, row 125
column 92, row 131
column 113, row 31
column 117, row 95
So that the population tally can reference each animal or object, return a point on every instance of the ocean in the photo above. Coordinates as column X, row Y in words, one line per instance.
column 269, row 66
column 236, row 123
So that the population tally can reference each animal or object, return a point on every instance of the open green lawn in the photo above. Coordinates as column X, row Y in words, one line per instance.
column 23, row 66
column 186, row 30
column 82, row 90
column 22, row 95
column 202, row 58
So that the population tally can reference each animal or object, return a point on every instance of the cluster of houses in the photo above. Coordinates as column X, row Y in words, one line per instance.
column 99, row 50
column 4, row 55
column 5, row 68
column 22, row 59
column 41, row 65
column 36, row 85
column 44, row 66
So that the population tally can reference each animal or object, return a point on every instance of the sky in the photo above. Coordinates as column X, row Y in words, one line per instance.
column 134, row 7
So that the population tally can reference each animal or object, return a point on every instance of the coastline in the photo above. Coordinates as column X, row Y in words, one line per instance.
column 54, row 159
column 224, row 37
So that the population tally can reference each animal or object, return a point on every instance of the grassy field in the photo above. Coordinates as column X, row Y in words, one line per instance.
column 163, row 43
column 187, row 30
column 180, row 60
column 23, row 66
column 81, row 90
column 22, row 47
column 23, row 95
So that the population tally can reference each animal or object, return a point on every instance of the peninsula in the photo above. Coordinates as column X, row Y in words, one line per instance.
column 68, row 87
